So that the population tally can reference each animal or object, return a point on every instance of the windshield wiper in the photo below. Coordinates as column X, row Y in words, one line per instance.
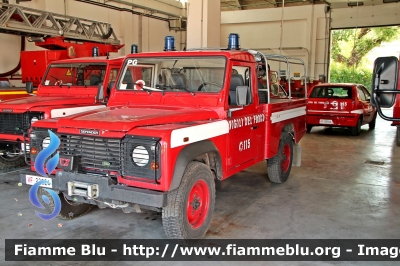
column 145, row 88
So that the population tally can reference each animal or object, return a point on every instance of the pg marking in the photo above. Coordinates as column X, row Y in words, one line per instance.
column 132, row 62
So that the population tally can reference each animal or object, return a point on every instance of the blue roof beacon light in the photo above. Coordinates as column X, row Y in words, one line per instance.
column 134, row 49
column 95, row 51
column 233, row 41
column 169, row 43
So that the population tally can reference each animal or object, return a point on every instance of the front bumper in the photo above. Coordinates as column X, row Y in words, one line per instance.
column 107, row 191
column 333, row 120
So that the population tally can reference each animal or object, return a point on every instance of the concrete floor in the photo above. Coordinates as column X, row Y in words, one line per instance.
column 334, row 194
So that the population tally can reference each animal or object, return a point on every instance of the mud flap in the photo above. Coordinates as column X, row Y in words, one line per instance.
column 296, row 155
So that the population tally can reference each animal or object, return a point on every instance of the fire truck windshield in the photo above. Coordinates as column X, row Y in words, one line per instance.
column 190, row 74
column 77, row 74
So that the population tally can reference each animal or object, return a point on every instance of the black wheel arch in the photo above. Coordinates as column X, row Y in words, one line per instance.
column 203, row 151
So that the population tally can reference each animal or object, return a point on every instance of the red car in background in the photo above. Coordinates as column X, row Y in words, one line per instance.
column 340, row 105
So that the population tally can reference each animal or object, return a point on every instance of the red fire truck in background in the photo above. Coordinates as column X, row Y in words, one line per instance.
column 386, row 89
column 68, row 87
column 77, row 51
column 63, row 37
column 175, row 122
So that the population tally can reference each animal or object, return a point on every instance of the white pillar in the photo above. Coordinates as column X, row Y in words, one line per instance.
column 204, row 23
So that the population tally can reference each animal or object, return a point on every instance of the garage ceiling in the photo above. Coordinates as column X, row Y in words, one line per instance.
column 230, row 5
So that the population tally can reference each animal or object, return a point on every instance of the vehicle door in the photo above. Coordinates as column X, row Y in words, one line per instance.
column 110, row 78
column 365, row 104
column 243, row 122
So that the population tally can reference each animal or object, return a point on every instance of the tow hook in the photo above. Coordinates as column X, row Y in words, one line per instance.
column 114, row 206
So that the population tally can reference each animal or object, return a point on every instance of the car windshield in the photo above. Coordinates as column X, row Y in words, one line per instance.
column 77, row 74
column 190, row 74
column 331, row 92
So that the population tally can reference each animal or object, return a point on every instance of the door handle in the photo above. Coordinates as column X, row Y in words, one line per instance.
column 254, row 127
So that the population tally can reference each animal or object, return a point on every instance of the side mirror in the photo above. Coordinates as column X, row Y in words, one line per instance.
column 243, row 95
column 384, row 81
column 29, row 87
column 100, row 93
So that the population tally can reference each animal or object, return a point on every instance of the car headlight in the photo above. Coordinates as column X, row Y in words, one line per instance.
column 140, row 156
column 45, row 142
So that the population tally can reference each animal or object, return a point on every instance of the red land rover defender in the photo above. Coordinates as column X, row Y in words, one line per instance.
column 175, row 122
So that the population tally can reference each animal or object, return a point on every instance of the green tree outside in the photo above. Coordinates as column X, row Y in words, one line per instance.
column 342, row 74
column 349, row 49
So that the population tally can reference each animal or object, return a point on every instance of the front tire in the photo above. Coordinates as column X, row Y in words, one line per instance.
column 190, row 207
column 10, row 162
column 280, row 165
column 356, row 130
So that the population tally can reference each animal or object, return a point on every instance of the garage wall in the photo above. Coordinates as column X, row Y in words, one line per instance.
column 150, row 36
column 306, row 29
column 303, row 33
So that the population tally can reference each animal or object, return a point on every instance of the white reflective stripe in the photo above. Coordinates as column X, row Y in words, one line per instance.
column 199, row 132
column 359, row 111
column 287, row 114
column 74, row 110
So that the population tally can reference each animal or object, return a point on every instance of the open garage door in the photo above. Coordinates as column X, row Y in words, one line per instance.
column 363, row 15
column 358, row 18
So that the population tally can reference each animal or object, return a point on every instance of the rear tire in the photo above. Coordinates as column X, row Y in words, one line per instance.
column 372, row 123
column 355, row 131
column 11, row 162
column 309, row 127
column 190, row 207
column 398, row 136
column 69, row 210
column 280, row 165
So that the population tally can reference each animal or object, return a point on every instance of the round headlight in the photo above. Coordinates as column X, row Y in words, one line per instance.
column 45, row 142
column 34, row 119
column 140, row 156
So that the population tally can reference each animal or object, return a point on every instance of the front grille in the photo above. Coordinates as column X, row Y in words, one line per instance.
column 16, row 123
column 13, row 123
column 95, row 153
column 133, row 156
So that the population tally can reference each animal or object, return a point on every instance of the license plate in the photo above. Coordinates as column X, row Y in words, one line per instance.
column 326, row 121
column 33, row 179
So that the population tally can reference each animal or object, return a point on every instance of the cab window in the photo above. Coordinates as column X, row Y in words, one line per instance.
column 367, row 94
column 241, row 76
column 361, row 94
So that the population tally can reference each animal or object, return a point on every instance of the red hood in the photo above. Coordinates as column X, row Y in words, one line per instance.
column 124, row 118
column 38, row 101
